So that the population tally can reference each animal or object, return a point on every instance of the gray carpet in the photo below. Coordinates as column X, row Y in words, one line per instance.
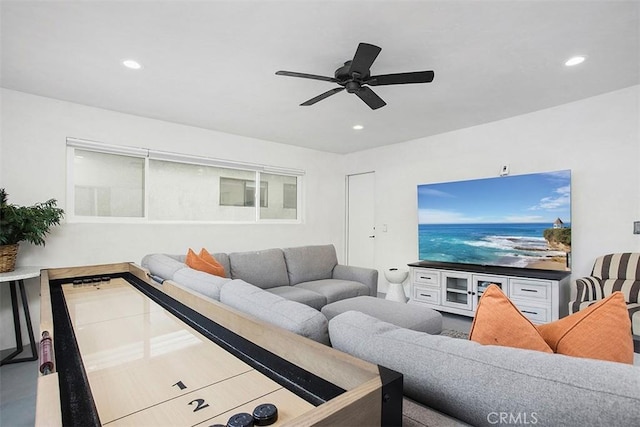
column 455, row 334
column 416, row 415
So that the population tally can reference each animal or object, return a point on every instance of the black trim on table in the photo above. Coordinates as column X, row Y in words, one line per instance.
column 76, row 401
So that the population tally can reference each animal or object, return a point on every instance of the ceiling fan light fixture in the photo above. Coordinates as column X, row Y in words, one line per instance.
column 355, row 77
column 575, row 60
column 130, row 63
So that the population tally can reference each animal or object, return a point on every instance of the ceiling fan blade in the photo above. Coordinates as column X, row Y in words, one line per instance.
column 306, row 76
column 322, row 96
column 401, row 78
column 364, row 57
column 370, row 98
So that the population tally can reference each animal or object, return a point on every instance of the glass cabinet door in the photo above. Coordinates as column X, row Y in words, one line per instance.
column 457, row 290
column 482, row 282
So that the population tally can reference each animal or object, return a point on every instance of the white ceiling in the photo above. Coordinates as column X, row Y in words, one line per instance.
column 212, row 64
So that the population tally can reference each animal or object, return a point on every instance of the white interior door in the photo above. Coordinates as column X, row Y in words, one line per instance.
column 361, row 220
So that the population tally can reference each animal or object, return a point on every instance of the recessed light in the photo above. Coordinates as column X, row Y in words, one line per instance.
column 358, row 127
column 575, row 60
column 130, row 63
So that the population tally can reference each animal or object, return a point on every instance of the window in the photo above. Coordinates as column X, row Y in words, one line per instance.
column 120, row 182
column 290, row 199
column 108, row 185
column 241, row 192
column 283, row 190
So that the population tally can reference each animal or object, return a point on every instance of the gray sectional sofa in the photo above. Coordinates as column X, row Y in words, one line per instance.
column 286, row 287
column 474, row 384
column 489, row 385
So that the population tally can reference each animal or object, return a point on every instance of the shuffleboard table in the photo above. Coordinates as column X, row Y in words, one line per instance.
column 120, row 349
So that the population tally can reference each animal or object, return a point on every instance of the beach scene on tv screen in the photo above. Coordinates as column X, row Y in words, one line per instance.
column 513, row 221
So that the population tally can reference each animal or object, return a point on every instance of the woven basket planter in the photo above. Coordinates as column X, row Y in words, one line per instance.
column 8, row 255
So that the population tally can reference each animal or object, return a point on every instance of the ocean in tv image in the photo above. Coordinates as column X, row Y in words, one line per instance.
column 516, row 221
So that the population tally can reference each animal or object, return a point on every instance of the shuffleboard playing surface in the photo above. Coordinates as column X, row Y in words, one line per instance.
column 146, row 367
column 123, row 349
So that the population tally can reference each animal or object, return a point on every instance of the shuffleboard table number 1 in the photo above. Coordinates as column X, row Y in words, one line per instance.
column 180, row 385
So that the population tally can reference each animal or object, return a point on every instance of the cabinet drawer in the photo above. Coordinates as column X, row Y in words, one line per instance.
column 533, row 289
column 536, row 314
column 430, row 295
column 426, row 277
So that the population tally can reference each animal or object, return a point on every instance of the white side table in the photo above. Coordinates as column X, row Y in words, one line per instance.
column 16, row 277
column 395, row 291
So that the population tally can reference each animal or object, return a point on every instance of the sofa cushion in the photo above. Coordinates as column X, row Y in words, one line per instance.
column 367, row 276
column 600, row 331
column 307, row 263
column 334, row 289
column 161, row 265
column 206, row 256
column 198, row 262
column 498, row 322
column 290, row 315
column 304, row 296
column 476, row 383
column 264, row 269
column 199, row 281
column 410, row 316
column 221, row 257
column 625, row 266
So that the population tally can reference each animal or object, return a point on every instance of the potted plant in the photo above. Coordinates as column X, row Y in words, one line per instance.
column 20, row 223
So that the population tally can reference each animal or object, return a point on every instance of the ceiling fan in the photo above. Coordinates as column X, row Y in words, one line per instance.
column 355, row 77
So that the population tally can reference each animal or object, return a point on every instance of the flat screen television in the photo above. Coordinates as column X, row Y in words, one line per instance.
column 512, row 221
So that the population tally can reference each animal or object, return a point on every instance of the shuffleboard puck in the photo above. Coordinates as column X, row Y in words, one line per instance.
column 265, row 414
column 240, row 420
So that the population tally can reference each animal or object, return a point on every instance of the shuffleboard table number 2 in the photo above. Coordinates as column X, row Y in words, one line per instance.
column 200, row 403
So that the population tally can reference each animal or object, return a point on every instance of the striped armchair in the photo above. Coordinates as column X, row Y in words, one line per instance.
column 612, row 272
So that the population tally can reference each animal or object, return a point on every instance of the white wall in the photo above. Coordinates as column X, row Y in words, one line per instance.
column 33, row 169
column 597, row 138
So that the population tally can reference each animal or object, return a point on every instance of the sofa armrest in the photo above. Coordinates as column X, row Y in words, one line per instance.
column 271, row 308
column 366, row 276
column 583, row 290
column 588, row 288
column 162, row 265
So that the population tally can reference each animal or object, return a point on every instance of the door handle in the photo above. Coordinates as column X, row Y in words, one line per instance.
column 372, row 237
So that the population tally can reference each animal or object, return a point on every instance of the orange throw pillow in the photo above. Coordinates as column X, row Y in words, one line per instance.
column 499, row 322
column 600, row 331
column 197, row 263
column 206, row 256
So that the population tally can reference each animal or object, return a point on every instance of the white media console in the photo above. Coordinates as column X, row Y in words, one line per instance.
column 541, row 295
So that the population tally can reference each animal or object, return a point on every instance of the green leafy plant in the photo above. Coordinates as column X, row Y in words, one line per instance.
column 559, row 235
column 27, row 223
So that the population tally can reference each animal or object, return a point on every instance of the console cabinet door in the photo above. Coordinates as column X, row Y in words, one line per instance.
column 481, row 282
column 457, row 290
column 425, row 286
column 533, row 298
column 426, row 277
column 426, row 294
